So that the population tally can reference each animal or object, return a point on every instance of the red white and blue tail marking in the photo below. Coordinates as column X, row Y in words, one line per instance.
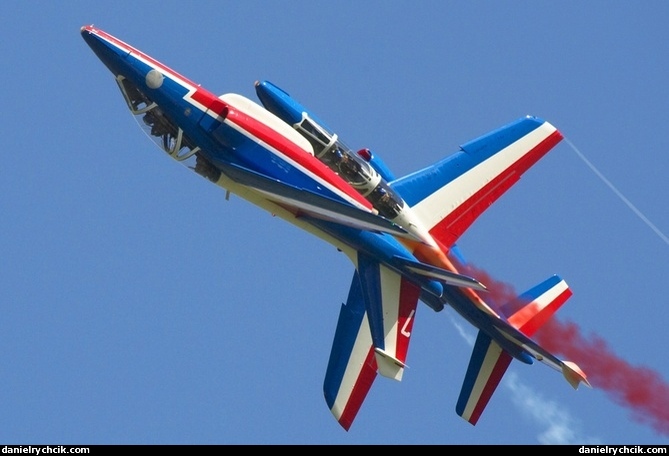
column 539, row 304
column 489, row 361
column 486, row 369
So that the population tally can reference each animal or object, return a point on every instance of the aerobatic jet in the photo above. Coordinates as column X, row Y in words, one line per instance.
column 400, row 233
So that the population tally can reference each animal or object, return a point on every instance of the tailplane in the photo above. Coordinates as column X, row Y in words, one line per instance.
column 492, row 354
column 531, row 310
column 537, row 307
column 487, row 366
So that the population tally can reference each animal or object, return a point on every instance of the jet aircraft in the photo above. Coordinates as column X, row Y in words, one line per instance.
column 399, row 233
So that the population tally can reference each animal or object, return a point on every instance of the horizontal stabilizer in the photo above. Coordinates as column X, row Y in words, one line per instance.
column 574, row 374
column 487, row 366
column 442, row 275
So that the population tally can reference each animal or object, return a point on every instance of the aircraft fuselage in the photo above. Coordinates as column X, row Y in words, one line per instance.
column 212, row 135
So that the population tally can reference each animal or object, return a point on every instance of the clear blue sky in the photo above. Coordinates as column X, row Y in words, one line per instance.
column 137, row 305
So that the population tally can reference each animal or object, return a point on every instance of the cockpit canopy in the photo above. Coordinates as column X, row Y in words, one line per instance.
column 332, row 152
column 351, row 167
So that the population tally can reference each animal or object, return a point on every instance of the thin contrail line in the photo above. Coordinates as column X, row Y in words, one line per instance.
column 620, row 195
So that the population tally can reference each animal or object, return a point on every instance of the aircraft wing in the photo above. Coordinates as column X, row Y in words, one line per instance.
column 433, row 272
column 304, row 202
column 451, row 194
column 372, row 336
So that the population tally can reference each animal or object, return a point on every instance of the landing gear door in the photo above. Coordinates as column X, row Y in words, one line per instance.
column 162, row 131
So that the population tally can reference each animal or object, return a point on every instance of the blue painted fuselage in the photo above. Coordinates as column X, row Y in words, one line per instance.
column 202, row 118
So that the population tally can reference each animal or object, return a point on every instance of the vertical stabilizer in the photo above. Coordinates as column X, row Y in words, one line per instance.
column 535, row 307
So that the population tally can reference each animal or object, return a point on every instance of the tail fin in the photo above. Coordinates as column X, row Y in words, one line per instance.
column 489, row 360
column 537, row 305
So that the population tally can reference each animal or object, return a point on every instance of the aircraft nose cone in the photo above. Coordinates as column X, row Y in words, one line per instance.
column 105, row 47
column 88, row 34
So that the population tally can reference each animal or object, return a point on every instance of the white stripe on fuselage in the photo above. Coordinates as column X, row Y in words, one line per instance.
column 302, row 143
column 276, row 152
column 156, row 65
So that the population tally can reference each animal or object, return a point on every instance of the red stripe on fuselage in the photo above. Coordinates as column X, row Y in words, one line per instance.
column 293, row 153
column 204, row 100
column 125, row 46
column 208, row 99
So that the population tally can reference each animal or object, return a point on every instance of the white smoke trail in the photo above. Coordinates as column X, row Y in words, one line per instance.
column 561, row 427
column 467, row 336
column 629, row 204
